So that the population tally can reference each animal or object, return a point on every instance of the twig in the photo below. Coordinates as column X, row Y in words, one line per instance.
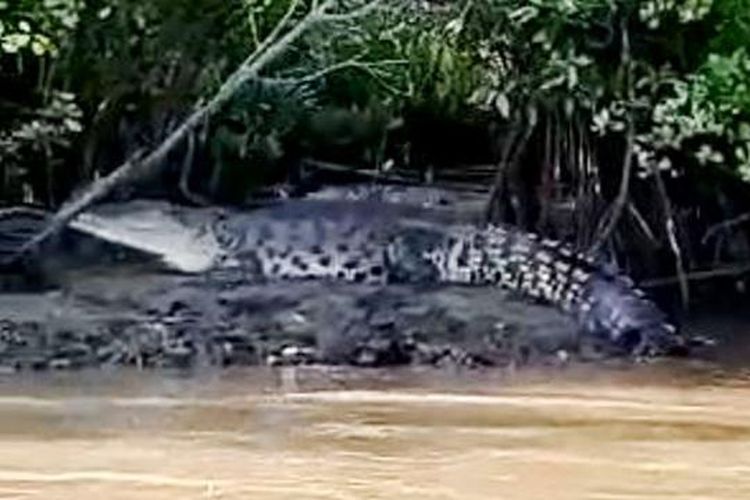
column 136, row 166
column 724, row 226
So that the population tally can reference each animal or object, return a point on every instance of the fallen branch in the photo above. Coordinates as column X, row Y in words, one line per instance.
column 372, row 174
column 393, row 176
column 22, row 210
column 136, row 166
column 722, row 272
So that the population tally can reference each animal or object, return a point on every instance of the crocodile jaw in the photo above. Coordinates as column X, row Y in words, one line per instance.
column 179, row 247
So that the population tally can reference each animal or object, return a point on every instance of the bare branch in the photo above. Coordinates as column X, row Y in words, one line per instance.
column 137, row 166
column 725, row 226
column 263, row 46
column 671, row 227
column 610, row 221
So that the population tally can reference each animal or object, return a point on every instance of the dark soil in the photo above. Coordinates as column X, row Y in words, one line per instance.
column 123, row 316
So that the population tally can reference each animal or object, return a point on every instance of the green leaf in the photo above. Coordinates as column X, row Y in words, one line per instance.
column 38, row 48
column 502, row 105
column 73, row 125
column 15, row 42
column 524, row 14
column 104, row 12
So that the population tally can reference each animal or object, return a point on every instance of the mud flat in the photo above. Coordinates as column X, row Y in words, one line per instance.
column 124, row 315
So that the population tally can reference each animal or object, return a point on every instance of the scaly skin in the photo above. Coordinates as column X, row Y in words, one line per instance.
column 375, row 243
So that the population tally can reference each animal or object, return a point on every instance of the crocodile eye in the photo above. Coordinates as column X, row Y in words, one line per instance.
column 434, row 257
column 225, row 235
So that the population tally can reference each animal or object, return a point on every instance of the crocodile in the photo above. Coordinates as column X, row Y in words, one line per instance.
column 381, row 243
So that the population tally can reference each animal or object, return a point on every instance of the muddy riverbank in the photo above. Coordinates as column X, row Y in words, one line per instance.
column 123, row 316
column 109, row 306
column 127, row 315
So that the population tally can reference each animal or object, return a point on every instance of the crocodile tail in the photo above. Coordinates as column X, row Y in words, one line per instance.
column 605, row 304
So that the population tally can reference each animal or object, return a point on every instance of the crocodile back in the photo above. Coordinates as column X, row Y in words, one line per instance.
column 312, row 239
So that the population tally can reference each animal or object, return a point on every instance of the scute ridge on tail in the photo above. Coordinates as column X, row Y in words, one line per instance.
column 605, row 304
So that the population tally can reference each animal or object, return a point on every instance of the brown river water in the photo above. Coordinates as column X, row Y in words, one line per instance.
column 658, row 431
